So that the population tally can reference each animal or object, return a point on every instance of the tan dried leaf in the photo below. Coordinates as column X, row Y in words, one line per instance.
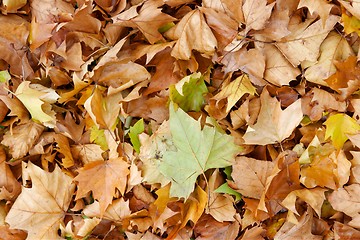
column 40, row 209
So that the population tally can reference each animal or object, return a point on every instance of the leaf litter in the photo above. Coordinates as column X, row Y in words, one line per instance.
column 179, row 119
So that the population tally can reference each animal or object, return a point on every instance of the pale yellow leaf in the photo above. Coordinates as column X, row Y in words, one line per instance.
column 273, row 124
column 40, row 209
column 335, row 47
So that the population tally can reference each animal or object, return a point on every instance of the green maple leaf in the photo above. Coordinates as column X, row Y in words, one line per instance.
column 134, row 134
column 337, row 128
column 197, row 151
column 189, row 92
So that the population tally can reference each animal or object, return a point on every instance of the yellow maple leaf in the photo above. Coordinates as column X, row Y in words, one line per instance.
column 37, row 99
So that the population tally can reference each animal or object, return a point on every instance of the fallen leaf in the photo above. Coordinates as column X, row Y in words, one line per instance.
column 22, row 138
column 204, row 41
column 256, row 14
column 102, row 178
column 40, row 210
column 343, row 231
column 346, row 200
column 305, row 40
column 273, row 124
column 37, row 101
column 197, row 151
column 234, row 90
column 10, row 188
column 250, row 176
column 337, row 128
column 302, row 230
column 321, row 7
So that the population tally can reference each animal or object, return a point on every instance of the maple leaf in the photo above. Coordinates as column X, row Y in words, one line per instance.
column 302, row 230
column 314, row 197
column 63, row 147
column 250, row 176
column 148, row 21
column 203, row 41
column 334, row 48
column 278, row 69
column 151, row 153
column 37, row 100
column 256, row 14
column 347, row 71
column 22, row 138
column 40, row 210
column 273, row 124
column 234, row 90
column 103, row 110
column 134, row 131
column 337, row 128
column 197, row 151
column 189, row 92
column 304, row 41
column 321, row 7
column 102, row 178
column 346, row 200
column 117, row 211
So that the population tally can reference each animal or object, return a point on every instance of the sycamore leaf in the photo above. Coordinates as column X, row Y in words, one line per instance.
column 13, row 5
column 63, row 147
column 256, row 13
column 203, row 41
column 97, row 136
column 314, row 197
column 273, row 124
column 351, row 24
column 40, row 209
column 305, row 40
column 116, row 211
column 250, row 176
column 189, row 92
column 225, row 188
column 337, row 128
column 151, row 153
column 37, row 101
column 134, row 134
column 22, row 138
column 4, row 76
column 148, row 21
column 9, row 186
column 346, row 200
column 235, row 90
column 197, row 151
column 278, row 70
column 335, row 47
column 302, row 230
column 321, row 7
column 102, row 178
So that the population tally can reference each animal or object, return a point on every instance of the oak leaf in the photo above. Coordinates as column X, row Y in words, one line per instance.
column 203, row 41
column 197, row 151
column 40, row 209
column 102, row 178
column 273, row 124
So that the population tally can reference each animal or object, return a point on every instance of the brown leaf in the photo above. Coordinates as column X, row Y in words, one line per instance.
column 10, row 188
column 250, row 176
column 204, row 41
column 22, row 138
column 207, row 228
column 40, row 209
column 345, row 232
column 102, row 178
column 302, row 230
column 346, row 200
